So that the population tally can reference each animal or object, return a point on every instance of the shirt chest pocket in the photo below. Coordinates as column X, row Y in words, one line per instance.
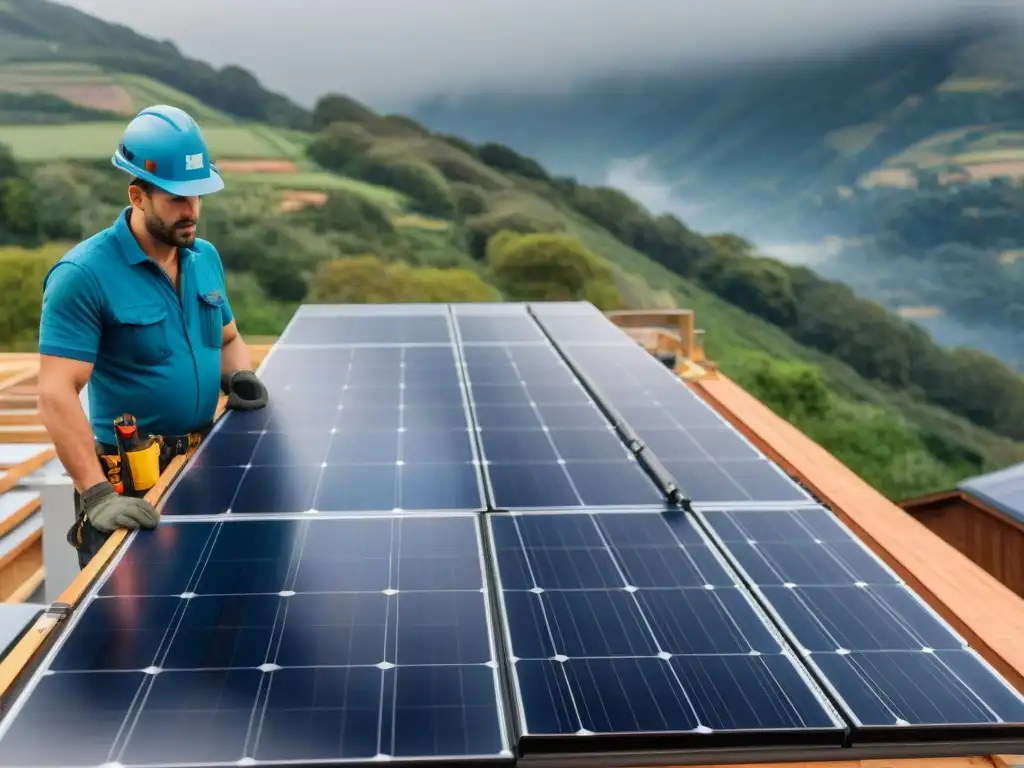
column 211, row 317
column 140, row 333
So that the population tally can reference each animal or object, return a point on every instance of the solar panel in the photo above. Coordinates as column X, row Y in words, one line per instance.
column 1003, row 490
column 255, row 641
column 894, row 665
column 626, row 632
column 544, row 442
column 348, row 429
column 711, row 461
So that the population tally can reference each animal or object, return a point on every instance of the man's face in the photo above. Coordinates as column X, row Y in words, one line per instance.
column 170, row 219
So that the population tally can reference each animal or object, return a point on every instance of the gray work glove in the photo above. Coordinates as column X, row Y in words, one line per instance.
column 244, row 390
column 107, row 510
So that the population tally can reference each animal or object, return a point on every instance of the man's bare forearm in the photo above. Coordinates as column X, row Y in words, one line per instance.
column 235, row 356
column 62, row 415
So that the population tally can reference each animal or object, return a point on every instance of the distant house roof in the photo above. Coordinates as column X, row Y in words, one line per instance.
column 1002, row 490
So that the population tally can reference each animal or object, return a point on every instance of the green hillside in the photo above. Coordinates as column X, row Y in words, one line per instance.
column 365, row 207
column 897, row 168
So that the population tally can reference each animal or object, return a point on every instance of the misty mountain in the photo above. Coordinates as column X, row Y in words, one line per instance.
column 895, row 167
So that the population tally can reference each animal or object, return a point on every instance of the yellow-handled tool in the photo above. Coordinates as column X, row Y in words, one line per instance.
column 140, row 457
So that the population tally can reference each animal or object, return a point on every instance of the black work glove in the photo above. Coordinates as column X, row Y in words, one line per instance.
column 244, row 390
column 107, row 510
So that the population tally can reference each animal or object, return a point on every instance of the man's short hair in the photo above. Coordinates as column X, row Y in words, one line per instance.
column 142, row 184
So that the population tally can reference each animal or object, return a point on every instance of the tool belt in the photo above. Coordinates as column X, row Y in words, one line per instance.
column 134, row 472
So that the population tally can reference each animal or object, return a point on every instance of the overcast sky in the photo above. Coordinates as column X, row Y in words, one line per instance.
column 388, row 52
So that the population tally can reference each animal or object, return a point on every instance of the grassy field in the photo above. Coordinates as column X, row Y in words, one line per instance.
column 94, row 141
column 319, row 181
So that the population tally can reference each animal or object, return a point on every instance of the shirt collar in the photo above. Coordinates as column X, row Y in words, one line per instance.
column 133, row 253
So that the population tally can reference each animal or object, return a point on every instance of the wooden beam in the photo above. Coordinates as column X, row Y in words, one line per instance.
column 14, row 476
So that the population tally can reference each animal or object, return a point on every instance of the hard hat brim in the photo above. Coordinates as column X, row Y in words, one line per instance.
column 191, row 188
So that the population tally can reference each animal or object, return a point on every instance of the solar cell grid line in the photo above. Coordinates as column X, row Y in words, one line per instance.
column 892, row 663
column 543, row 442
column 625, row 631
column 707, row 456
column 367, row 429
column 275, row 641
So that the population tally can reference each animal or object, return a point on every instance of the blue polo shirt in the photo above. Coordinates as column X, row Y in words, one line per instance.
column 155, row 354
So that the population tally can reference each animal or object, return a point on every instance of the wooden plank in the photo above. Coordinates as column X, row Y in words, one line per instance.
column 24, row 434
column 12, row 666
column 14, row 476
column 29, row 586
column 23, row 417
column 12, row 521
column 987, row 613
column 20, row 563
column 16, row 380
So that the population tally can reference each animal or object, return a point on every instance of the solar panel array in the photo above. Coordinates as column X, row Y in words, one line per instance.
column 482, row 533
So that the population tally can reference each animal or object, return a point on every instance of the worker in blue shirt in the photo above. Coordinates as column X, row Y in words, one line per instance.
column 140, row 312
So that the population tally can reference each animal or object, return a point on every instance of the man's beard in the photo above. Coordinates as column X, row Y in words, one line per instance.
column 172, row 235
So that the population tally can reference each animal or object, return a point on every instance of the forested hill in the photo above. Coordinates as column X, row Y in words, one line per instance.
column 896, row 168
column 365, row 207
column 40, row 30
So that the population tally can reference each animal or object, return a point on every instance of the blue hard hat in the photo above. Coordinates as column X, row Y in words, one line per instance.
column 164, row 146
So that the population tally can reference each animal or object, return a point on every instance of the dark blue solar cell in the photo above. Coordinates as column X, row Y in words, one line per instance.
column 718, row 443
column 441, row 628
column 500, row 394
column 588, row 444
column 276, row 489
column 773, row 526
column 441, row 417
column 608, row 483
column 385, row 418
column 160, row 562
column 439, row 486
column 516, row 446
column 526, row 486
column 300, row 446
column 749, row 693
column 596, row 623
column 825, row 564
column 424, row 329
column 707, row 481
column 869, row 618
column 221, row 631
column 572, row 417
column 941, row 688
column 202, row 490
column 507, row 328
column 358, row 488
column 557, row 394
column 200, row 716
column 494, row 416
column 115, row 635
column 226, row 449
column 444, row 710
column 364, row 447
column 693, row 622
column 336, row 629
column 90, row 710
column 437, row 446
column 325, row 713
